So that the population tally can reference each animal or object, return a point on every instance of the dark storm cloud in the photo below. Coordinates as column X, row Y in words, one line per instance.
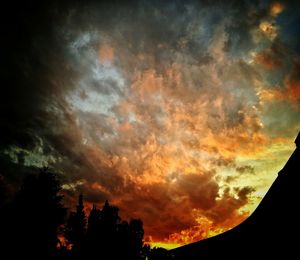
column 31, row 67
column 244, row 16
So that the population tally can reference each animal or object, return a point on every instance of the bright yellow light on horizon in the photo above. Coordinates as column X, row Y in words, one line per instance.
column 165, row 245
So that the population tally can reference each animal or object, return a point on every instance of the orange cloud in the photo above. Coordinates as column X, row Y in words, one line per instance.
column 205, row 229
column 158, row 155
column 276, row 8
column 177, row 147
column 270, row 58
column 269, row 29
column 291, row 90
column 170, row 132
column 293, row 82
column 214, row 221
column 106, row 53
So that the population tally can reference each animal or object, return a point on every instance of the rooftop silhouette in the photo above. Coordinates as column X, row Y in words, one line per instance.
column 271, row 230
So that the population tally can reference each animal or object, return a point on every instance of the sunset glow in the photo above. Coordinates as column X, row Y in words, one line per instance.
column 179, row 114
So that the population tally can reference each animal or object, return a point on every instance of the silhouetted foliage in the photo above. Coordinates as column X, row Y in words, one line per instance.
column 109, row 221
column 32, row 222
column 111, row 236
column 76, row 228
column 34, row 216
column 93, row 231
column 136, row 237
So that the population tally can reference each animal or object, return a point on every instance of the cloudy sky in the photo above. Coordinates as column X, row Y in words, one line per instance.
column 178, row 112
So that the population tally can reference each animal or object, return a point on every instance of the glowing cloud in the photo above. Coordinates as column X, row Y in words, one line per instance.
column 181, row 114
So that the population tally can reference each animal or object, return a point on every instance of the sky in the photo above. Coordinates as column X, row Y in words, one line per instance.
column 180, row 113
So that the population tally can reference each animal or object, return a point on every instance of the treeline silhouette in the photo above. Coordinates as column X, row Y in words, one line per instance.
column 35, row 224
column 103, row 231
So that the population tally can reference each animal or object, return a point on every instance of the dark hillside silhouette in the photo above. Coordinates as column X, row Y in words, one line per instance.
column 271, row 231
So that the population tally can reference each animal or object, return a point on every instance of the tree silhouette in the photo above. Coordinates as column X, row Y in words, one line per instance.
column 76, row 228
column 109, row 221
column 93, row 232
column 34, row 216
column 30, row 223
column 113, row 238
column 136, row 238
column 123, row 239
